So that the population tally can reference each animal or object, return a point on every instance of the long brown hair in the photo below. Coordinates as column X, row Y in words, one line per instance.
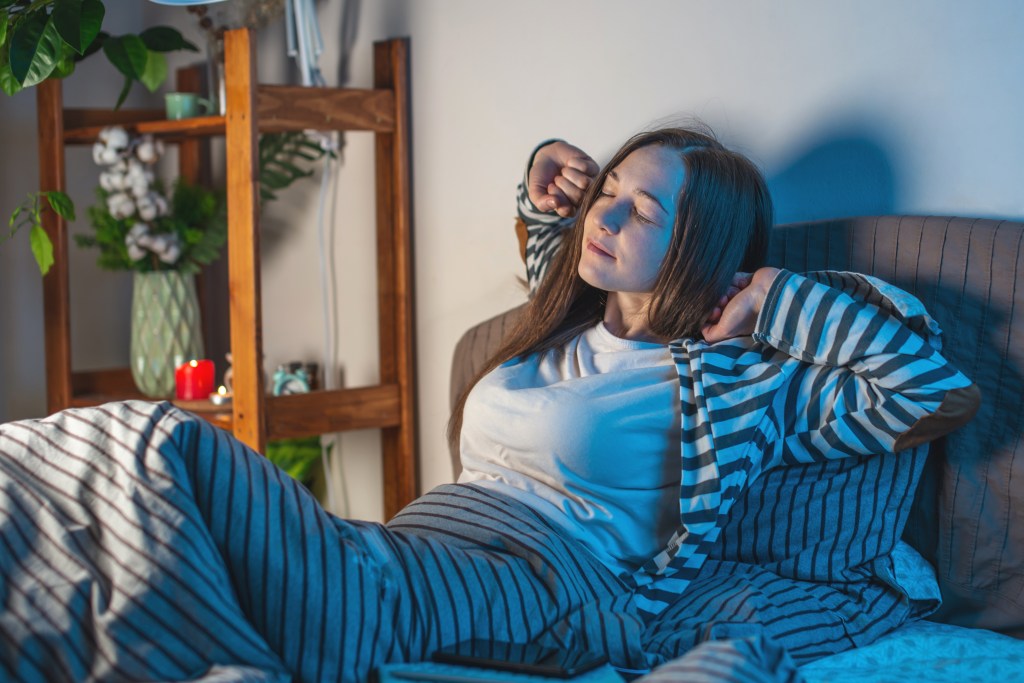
column 723, row 221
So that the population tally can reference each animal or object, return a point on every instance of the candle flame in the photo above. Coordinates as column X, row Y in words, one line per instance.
column 194, row 363
column 222, row 390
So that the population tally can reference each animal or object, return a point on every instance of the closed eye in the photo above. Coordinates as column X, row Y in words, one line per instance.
column 642, row 218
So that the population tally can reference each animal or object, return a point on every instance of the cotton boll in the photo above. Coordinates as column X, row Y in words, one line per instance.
column 171, row 256
column 170, row 250
column 139, row 189
column 137, row 231
column 109, row 156
column 149, row 150
column 147, row 210
column 166, row 248
column 97, row 153
column 147, row 240
column 111, row 182
column 131, row 240
column 136, row 171
column 151, row 205
column 120, row 205
column 137, row 179
column 114, row 137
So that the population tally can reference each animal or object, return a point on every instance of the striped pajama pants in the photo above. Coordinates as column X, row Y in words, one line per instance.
column 138, row 542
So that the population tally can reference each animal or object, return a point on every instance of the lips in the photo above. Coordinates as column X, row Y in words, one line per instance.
column 598, row 249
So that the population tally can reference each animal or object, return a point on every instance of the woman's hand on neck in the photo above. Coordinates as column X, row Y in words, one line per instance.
column 625, row 316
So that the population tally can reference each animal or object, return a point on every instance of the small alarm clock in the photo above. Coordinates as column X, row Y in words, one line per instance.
column 291, row 378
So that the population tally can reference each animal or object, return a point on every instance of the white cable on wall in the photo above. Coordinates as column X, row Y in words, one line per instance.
column 327, row 286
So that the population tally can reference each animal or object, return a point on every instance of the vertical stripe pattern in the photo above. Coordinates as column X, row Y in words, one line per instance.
column 142, row 543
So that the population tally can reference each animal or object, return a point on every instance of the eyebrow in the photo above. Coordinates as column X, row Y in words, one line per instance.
column 642, row 192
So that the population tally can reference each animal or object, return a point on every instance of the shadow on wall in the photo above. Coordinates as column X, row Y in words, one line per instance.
column 840, row 175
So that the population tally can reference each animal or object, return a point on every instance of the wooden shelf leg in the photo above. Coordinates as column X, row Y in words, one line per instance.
column 249, row 404
column 394, row 273
column 57, row 312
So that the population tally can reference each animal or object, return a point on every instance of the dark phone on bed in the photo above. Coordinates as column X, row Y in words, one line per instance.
column 521, row 658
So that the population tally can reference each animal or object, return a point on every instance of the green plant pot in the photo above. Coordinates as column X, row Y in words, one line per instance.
column 166, row 330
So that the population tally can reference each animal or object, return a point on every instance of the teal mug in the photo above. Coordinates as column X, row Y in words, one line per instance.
column 185, row 105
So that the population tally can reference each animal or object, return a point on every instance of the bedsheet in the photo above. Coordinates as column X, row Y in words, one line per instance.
column 926, row 651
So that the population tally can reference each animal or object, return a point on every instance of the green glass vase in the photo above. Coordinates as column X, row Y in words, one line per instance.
column 166, row 330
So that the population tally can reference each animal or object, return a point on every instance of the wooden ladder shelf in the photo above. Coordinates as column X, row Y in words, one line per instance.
column 252, row 109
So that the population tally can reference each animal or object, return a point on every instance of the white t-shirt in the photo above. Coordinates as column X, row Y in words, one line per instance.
column 587, row 435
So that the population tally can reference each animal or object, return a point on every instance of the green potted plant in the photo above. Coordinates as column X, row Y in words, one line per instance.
column 41, row 39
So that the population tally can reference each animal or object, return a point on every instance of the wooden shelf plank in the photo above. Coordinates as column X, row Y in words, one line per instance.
column 337, row 410
column 219, row 416
column 293, row 416
column 75, row 118
column 109, row 382
column 92, row 121
column 280, row 107
column 284, row 107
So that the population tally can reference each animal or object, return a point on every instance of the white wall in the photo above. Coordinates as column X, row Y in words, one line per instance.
column 851, row 108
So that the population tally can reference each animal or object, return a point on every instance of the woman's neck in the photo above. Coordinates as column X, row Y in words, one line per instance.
column 625, row 316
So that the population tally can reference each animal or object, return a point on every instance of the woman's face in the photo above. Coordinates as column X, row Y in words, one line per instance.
column 628, row 230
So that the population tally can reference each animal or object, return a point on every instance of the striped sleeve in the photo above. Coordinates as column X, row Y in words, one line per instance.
column 873, row 383
column 846, row 365
column 544, row 229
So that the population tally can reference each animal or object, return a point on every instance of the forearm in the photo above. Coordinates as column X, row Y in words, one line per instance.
column 886, row 385
column 544, row 229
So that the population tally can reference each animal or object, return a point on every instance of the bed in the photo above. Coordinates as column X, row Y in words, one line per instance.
column 967, row 512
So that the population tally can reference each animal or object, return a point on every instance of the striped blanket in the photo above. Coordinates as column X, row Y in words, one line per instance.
column 138, row 542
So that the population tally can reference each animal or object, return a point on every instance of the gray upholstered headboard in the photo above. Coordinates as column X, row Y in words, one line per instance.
column 969, row 512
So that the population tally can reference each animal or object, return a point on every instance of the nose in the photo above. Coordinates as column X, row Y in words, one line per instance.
column 608, row 217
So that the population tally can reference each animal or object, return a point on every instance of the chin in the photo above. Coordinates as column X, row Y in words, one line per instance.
column 589, row 277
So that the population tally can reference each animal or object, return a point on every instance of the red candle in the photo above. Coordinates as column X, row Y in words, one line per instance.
column 194, row 380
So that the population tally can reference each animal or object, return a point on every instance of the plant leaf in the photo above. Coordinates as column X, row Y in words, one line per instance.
column 8, row 83
column 94, row 46
column 3, row 32
column 274, row 180
column 47, row 58
column 67, row 18
column 166, row 39
column 127, row 53
column 92, row 19
column 24, row 40
column 35, row 49
column 66, row 64
column 61, row 204
column 124, row 92
column 42, row 248
column 278, row 154
column 14, row 216
column 155, row 72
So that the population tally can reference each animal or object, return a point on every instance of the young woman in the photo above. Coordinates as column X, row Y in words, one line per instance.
column 619, row 455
